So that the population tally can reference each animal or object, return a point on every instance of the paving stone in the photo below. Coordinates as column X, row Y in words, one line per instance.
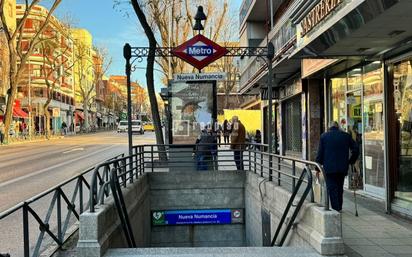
column 398, row 249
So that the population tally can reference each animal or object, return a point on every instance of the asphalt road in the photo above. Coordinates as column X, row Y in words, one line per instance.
column 31, row 168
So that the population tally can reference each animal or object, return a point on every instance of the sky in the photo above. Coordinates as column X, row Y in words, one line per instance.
column 112, row 28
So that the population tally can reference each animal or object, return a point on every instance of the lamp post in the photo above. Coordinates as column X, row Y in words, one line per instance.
column 127, row 54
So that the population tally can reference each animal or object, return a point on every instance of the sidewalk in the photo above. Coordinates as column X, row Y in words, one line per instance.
column 374, row 233
column 17, row 141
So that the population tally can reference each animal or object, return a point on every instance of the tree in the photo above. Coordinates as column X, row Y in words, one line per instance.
column 139, row 97
column 55, row 66
column 149, row 74
column 20, row 49
column 172, row 21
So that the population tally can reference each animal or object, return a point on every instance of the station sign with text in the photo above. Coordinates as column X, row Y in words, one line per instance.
column 199, row 51
column 197, row 217
column 184, row 77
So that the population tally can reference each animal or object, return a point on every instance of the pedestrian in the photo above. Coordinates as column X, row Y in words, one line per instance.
column 64, row 128
column 258, row 139
column 219, row 133
column 333, row 154
column 203, row 150
column 226, row 131
column 238, row 139
column 2, row 132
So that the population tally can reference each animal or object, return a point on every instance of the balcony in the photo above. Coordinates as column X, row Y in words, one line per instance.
column 253, row 10
column 253, row 69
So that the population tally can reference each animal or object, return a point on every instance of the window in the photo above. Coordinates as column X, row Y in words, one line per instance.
column 402, row 81
column 292, row 121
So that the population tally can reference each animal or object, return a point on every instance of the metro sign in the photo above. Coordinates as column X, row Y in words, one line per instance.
column 199, row 51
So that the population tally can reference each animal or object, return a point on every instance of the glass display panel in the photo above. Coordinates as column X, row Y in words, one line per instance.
column 338, row 89
column 373, row 125
column 403, row 107
column 191, row 106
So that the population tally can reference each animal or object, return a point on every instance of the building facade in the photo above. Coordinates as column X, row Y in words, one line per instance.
column 346, row 61
column 10, row 14
column 48, row 72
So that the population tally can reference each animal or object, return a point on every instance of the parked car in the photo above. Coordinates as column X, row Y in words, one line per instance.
column 148, row 126
column 122, row 127
column 136, row 126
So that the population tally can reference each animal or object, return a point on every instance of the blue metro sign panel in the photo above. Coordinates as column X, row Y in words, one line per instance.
column 199, row 51
column 197, row 217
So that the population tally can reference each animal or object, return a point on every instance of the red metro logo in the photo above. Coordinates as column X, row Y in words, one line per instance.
column 199, row 51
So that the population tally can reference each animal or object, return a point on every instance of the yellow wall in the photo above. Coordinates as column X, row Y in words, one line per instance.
column 251, row 119
column 10, row 11
column 83, row 45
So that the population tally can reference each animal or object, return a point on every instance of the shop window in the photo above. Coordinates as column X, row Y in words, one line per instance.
column 373, row 125
column 403, row 107
column 292, row 121
column 355, row 79
column 338, row 107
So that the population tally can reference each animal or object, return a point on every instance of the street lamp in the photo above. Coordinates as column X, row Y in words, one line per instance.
column 199, row 17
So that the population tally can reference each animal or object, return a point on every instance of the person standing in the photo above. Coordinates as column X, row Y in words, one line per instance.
column 2, row 132
column 64, row 128
column 226, row 131
column 333, row 153
column 238, row 139
column 203, row 149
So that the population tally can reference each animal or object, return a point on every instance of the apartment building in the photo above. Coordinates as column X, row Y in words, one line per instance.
column 347, row 61
column 48, row 72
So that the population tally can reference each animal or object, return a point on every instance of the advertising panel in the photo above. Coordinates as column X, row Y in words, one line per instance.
column 192, row 107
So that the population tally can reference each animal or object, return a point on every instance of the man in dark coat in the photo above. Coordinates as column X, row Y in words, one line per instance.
column 238, row 140
column 333, row 154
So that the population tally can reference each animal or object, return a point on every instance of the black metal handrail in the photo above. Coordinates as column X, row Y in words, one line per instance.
column 120, row 203
column 290, row 222
column 60, row 199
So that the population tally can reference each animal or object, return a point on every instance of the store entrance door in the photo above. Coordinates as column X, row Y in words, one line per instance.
column 354, row 128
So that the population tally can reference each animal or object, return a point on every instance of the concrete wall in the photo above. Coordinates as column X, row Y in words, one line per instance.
column 197, row 190
column 101, row 230
column 315, row 227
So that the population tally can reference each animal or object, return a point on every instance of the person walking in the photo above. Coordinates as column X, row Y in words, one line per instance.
column 226, row 131
column 238, row 139
column 258, row 139
column 333, row 153
column 203, row 150
column 2, row 132
column 64, row 128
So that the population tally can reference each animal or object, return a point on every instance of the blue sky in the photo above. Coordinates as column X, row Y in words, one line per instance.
column 111, row 28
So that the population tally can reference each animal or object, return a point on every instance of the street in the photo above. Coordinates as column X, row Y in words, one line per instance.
column 31, row 168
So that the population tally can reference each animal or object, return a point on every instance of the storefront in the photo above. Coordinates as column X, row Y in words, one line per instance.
column 356, row 101
column 290, row 119
column 400, row 133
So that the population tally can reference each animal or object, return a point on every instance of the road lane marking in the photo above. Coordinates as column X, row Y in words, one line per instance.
column 74, row 150
column 54, row 166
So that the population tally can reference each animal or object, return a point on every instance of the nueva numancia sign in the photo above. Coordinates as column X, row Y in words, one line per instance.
column 317, row 14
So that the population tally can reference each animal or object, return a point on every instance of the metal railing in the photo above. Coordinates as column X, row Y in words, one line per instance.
column 48, row 219
column 282, row 170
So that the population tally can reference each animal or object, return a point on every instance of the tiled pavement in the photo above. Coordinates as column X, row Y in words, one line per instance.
column 374, row 233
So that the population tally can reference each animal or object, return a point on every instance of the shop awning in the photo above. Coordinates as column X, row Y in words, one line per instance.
column 19, row 113
column 79, row 115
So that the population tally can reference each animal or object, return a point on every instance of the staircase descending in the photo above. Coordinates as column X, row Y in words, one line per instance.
column 214, row 252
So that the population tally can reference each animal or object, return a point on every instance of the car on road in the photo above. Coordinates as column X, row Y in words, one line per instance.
column 137, row 126
column 148, row 126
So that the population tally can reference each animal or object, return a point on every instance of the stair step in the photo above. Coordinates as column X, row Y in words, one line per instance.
column 214, row 252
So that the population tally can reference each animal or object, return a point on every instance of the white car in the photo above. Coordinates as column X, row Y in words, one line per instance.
column 137, row 126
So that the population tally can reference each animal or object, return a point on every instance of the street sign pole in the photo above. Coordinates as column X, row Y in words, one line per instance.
column 127, row 53
column 270, row 55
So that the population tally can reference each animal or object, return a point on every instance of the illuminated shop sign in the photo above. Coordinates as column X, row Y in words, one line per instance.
column 317, row 14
